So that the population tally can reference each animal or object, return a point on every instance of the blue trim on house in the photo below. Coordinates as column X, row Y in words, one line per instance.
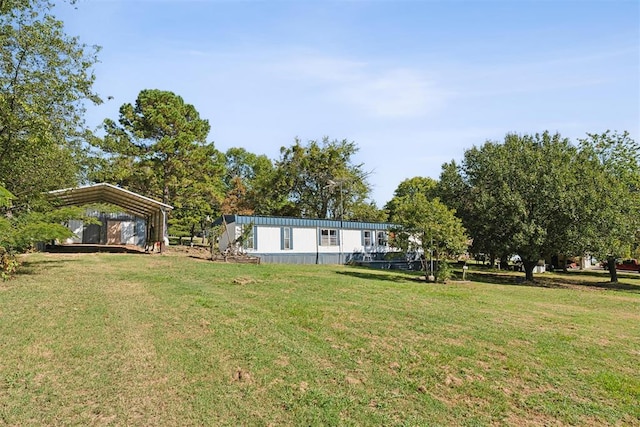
column 255, row 237
column 281, row 238
column 303, row 222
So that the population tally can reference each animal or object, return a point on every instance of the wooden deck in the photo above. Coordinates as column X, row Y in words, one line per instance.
column 76, row 248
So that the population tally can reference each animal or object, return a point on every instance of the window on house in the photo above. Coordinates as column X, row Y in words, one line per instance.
column 328, row 237
column 286, row 236
column 367, row 238
column 382, row 238
column 248, row 231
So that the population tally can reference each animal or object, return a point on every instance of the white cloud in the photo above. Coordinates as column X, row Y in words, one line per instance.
column 371, row 89
column 395, row 93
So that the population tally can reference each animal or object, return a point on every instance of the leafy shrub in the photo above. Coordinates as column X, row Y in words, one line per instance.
column 8, row 264
column 445, row 272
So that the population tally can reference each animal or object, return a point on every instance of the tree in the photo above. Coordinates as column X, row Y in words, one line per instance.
column 251, row 185
column 158, row 135
column 245, row 165
column 367, row 212
column 199, row 194
column 524, row 196
column 427, row 226
column 457, row 194
column 45, row 79
column 320, row 179
column 235, row 201
column 614, row 173
column 21, row 232
column 409, row 188
column 159, row 148
column 5, row 197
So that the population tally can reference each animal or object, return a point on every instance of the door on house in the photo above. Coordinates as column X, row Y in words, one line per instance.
column 91, row 234
column 114, row 232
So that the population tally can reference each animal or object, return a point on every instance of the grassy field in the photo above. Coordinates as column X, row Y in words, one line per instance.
column 111, row 339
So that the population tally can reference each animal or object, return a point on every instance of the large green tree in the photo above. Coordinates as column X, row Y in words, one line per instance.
column 321, row 180
column 250, row 184
column 614, row 173
column 198, row 195
column 457, row 193
column 159, row 148
column 45, row 79
column 524, row 196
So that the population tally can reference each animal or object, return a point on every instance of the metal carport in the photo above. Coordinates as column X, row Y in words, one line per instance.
column 153, row 212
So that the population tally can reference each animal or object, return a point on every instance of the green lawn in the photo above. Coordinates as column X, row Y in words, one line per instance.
column 101, row 339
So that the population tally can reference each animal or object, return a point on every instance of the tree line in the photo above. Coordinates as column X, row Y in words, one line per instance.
column 160, row 147
column 530, row 195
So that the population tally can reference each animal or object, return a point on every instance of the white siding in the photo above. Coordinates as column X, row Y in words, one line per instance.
column 76, row 226
column 128, row 233
column 268, row 239
column 352, row 241
column 305, row 242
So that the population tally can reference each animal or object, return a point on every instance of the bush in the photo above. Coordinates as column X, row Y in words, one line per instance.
column 8, row 264
column 445, row 272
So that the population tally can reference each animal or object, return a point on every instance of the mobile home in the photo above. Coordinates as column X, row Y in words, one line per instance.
column 304, row 240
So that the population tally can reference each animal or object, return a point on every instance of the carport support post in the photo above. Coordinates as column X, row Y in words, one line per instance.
column 165, row 231
column 147, row 234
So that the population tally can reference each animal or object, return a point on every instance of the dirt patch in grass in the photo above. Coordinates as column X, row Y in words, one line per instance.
column 242, row 376
column 196, row 252
column 243, row 280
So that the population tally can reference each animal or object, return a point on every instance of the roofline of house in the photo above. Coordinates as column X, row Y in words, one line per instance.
column 278, row 221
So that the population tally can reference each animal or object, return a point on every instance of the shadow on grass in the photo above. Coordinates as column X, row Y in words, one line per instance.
column 31, row 267
column 556, row 280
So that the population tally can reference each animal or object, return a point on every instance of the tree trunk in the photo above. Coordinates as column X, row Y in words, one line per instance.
column 611, row 265
column 504, row 262
column 528, row 269
column 193, row 231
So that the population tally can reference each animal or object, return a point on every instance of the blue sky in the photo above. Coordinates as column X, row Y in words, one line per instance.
column 413, row 83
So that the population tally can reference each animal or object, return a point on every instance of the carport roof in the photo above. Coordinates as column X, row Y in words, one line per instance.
column 131, row 202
